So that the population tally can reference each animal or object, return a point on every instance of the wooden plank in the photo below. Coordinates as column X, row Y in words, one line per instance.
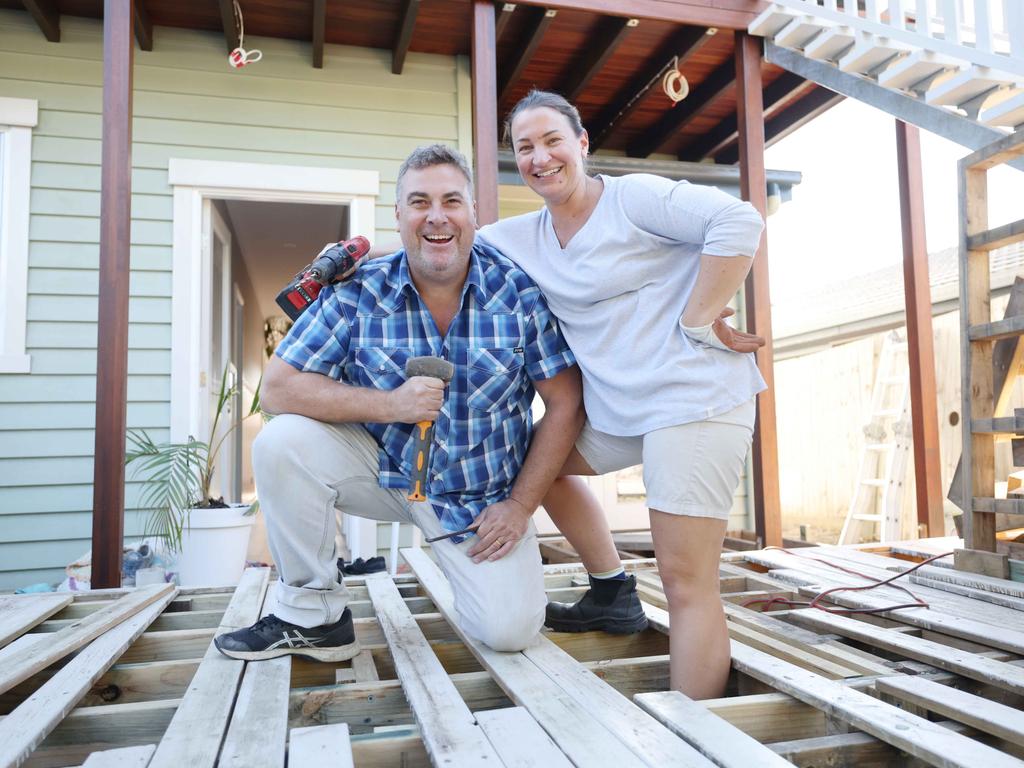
column 447, row 727
column 721, row 742
column 112, row 317
column 912, row 734
column 23, row 664
column 998, row 506
column 485, row 112
column 363, row 667
column 988, row 716
column 753, row 188
column 1000, row 329
column 996, row 153
column 124, row 757
column 921, row 353
column 769, row 716
column 974, row 666
column 519, row 740
column 26, row 727
column 320, row 746
column 725, row 14
column 194, row 735
column 259, row 720
column 999, row 237
column 410, row 8
column 47, row 16
column 978, row 561
column 19, row 613
column 571, row 725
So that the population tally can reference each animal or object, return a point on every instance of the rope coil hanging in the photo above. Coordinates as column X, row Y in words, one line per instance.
column 239, row 57
column 674, row 84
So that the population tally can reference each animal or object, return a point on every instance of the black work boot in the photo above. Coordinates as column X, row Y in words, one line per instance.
column 610, row 604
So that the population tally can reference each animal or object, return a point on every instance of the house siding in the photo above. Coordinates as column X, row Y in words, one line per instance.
column 353, row 114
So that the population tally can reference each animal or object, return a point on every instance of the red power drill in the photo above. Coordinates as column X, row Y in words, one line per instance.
column 335, row 263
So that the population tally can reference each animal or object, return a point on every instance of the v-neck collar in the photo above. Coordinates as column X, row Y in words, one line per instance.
column 597, row 206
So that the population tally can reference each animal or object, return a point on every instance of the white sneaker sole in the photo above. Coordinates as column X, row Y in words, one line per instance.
column 333, row 653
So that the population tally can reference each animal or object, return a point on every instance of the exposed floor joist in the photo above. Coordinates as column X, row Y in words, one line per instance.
column 540, row 20
column 410, row 8
column 673, row 121
column 47, row 16
column 684, row 43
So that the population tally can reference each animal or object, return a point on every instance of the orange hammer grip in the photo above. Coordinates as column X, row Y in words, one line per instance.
column 423, row 436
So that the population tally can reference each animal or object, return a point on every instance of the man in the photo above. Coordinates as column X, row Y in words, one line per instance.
column 343, row 439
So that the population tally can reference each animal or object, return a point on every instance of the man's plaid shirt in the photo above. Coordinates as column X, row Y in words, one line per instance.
column 503, row 338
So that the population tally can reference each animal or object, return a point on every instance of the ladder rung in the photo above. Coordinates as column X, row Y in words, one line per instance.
column 878, row 446
column 1001, row 329
column 871, row 518
column 875, row 482
column 997, row 238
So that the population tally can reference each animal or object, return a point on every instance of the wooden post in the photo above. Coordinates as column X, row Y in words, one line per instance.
column 753, row 187
column 916, row 286
column 112, row 327
column 485, row 112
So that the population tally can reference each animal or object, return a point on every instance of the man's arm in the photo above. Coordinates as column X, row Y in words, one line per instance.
column 507, row 521
column 286, row 389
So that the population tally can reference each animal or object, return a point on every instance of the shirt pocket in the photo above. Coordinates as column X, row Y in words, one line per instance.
column 493, row 377
column 380, row 367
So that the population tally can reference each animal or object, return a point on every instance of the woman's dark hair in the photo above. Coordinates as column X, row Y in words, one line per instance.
column 554, row 101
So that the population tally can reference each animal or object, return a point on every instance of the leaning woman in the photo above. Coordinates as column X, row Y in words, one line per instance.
column 638, row 270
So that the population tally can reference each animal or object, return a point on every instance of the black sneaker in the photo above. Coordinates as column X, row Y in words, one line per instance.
column 611, row 605
column 270, row 637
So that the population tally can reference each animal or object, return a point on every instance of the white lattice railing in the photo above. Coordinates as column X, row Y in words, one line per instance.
column 987, row 33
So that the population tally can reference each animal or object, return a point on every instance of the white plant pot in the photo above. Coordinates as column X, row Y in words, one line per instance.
column 213, row 547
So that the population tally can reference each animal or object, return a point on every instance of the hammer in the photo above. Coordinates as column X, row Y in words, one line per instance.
column 424, row 432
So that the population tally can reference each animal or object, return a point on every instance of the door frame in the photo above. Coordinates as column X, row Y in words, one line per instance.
column 195, row 183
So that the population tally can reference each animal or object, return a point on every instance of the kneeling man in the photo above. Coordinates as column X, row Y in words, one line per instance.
column 343, row 436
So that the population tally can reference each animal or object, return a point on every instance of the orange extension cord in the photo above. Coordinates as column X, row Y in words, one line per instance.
column 815, row 602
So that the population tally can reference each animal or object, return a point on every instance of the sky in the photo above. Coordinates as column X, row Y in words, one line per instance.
column 844, row 218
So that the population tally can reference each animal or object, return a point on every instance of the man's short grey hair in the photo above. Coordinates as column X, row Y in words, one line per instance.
column 431, row 155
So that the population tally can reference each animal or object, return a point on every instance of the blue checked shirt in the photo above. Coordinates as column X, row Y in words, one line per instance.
column 503, row 338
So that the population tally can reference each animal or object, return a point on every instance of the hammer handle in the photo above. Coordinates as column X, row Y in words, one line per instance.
column 424, row 436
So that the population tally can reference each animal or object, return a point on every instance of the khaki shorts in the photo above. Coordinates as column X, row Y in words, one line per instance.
column 689, row 469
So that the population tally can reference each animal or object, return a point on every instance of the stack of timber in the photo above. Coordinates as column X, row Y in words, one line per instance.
column 130, row 677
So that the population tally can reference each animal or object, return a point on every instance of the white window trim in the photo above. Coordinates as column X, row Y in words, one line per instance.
column 17, row 119
column 195, row 184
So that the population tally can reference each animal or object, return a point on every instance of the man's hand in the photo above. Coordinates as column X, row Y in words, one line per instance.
column 418, row 399
column 736, row 340
column 499, row 528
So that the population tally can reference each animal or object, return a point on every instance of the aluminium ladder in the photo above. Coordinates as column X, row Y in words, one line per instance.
column 878, row 495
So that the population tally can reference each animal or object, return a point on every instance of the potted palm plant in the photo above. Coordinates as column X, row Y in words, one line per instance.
column 210, row 535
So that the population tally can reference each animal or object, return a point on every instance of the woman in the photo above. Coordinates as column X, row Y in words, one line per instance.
column 638, row 269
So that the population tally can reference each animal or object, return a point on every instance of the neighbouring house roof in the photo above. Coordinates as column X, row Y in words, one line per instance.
column 872, row 302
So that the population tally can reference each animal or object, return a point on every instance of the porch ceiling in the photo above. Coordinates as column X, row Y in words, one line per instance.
column 610, row 65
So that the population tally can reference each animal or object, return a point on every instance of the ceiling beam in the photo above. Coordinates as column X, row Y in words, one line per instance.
column 726, row 14
column 143, row 26
column 319, row 32
column 227, row 20
column 502, row 16
column 410, row 8
column 540, row 20
column 783, row 88
column 610, row 35
column 47, row 17
column 679, row 116
column 815, row 103
column 683, row 43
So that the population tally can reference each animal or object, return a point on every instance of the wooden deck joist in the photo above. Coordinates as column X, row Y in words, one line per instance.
column 805, row 686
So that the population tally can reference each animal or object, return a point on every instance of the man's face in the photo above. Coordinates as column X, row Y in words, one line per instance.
column 437, row 222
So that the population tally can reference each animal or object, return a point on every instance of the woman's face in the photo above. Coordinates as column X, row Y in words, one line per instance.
column 548, row 154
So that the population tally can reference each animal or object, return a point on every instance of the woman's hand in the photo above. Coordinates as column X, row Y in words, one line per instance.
column 736, row 340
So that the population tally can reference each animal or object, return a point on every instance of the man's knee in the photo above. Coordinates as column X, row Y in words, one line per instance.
column 277, row 438
column 505, row 629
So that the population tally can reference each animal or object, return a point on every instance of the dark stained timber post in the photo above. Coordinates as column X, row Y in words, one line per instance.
column 112, row 325
column 485, row 112
column 753, row 187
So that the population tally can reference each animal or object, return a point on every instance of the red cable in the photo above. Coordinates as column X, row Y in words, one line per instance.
column 816, row 600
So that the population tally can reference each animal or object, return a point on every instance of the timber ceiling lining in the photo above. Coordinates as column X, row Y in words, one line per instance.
column 604, row 60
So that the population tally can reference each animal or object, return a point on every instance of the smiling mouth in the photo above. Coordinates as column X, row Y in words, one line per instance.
column 545, row 174
column 439, row 239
